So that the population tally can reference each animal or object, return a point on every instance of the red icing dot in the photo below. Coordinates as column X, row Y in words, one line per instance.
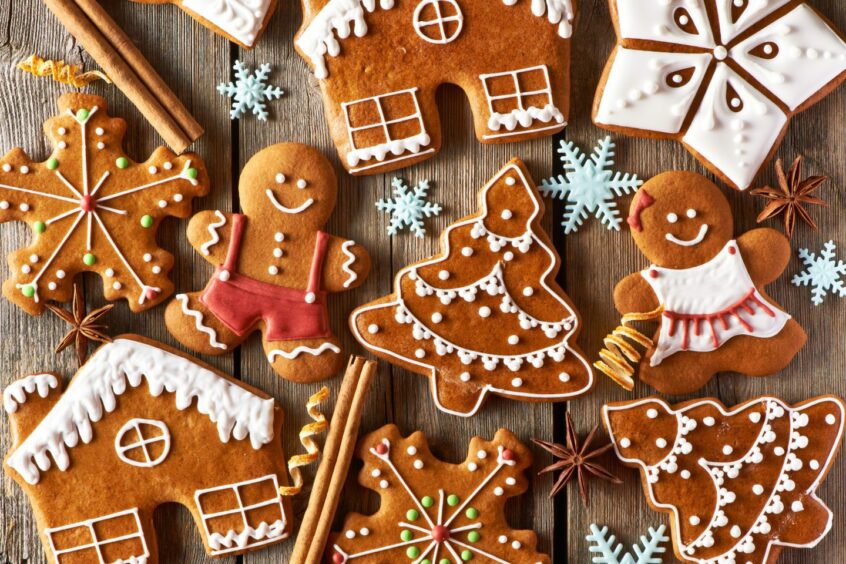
column 87, row 203
column 151, row 294
column 732, row 250
column 338, row 558
column 440, row 533
column 382, row 449
column 507, row 455
column 653, row 274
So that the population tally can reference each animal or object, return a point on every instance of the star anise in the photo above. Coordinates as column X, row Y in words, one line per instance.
column 576, row 461
column 84, row 327
column 790, row 196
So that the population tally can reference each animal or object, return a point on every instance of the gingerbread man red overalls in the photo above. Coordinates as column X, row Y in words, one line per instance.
column 708, row 287
column 275, row 267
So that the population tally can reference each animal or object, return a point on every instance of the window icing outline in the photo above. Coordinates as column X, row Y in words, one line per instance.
column 439, row 21
column 142, row 442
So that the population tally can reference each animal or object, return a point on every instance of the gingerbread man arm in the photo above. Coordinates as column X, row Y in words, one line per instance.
column 347, row 265
column 634, row 295
column 209, row 232
column 766, row 253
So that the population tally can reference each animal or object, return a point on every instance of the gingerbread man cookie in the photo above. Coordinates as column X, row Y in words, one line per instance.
column 707, row 287
column 275, row 267
column 738, row 484
column 92, row 209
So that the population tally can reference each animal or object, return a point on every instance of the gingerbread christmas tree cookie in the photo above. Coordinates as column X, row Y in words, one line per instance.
column 739, row 484
column 485, row 315
column 434, row 511
column 275, row 267
column 92, row 209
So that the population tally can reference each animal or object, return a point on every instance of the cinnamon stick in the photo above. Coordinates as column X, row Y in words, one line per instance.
column 114, row 51
column 337, row 456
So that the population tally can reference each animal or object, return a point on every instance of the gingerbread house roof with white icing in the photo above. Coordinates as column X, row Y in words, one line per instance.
column 115, row 368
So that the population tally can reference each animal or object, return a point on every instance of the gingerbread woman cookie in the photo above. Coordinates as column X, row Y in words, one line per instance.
column 706, row 286
column 92, row 209
column 275, row 267
column 738, row 484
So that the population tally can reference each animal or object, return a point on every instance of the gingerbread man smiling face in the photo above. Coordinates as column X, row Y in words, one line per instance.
column 707, row 286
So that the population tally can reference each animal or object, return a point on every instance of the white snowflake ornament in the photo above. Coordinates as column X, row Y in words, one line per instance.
column 609, row 549
column 408, row 207
column 823, row 273
column 250, row 91
column 589, row 186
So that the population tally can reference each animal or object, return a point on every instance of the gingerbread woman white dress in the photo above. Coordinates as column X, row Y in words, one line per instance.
column 706, row 305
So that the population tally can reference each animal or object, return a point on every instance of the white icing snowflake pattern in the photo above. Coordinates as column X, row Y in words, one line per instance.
column 701, row 75
column 609, row 549
column 408, row 207
column 589, row 185
column 250, row 91
column 823, row 273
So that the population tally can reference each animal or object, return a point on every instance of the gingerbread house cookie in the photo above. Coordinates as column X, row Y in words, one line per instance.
column 723, row 77
column 140, row 425
column 380, row 64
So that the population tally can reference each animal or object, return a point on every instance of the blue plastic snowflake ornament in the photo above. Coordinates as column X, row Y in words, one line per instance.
column 408, row 207
column 250, row 91
column 609, row 549
column 823, row 273
column 589, row 185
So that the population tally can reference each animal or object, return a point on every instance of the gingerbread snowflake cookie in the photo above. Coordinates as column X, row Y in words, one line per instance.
column 704, row 287
column 275, row 267
column 723, row 77
column 387, row 118
column 485, row 315
column 92, row 209
column 739, row 484
column 434, row 511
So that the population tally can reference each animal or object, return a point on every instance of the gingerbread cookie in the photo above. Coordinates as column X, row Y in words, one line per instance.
column 92, row 209
column 738, row 484
column 386, row 118
column 275, row 267
column 704, row 287
column 722, row 77
column 433, row 511
column 140, row 425
column 485, row 315
column 240, row 21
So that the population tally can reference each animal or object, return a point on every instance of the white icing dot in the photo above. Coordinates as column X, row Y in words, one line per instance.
column 148, row 257
column 728, row 450
column 60, row 274
column 156, row 269
column 625, row 442
column 278, row 253
column 301, row 183
column 437, row 317
column 26, row 269
column 280, row 178
column 754, row 417
column 168, row 165
column 152, row 170
column 779, row 451
column 506, row 214
column 484, row 311
column 7, row 167
column 510, row 181
column 709, row 421
column 383, row 484
column 796, row 506
column 510, row 481
column 443, row 275
column 564, row 377
column 33, row 258
column 279, row 237
column 62, row 131
column 62, row 145
column 273, row 269
column 508, row 256
column 672, row 218
column 177, row 198
column 513, row 339
column 51, row 286
column 661, row 442
column 830, row 419
column 4, row 205
column 310, row 297
column 364, row 532
column 498, row 491
column 372, row 328
column 418, row 464
column 516, row 545
column 412, row 450
column 691, row 213
column 98, row 131
column 814, row 464
column 419, row 353
column 694, row 520
column 101, row 145
column 472, row 466
column 24, row 169
column 685, row 474
column 652, row 413
column 757, row 489
column 464, row 377
column 467, row 251
column 162, row 203
column 502, row 539
column 517, row 382
column 482, row 455
column 376, row 473
column 350, row 535
column 528, row 291
column 735, row 532
column 109, row 272
column 24, row 207
column 117, row 286
column 720, row 52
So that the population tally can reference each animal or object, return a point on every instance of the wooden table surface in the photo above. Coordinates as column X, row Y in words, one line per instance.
column 193, row 60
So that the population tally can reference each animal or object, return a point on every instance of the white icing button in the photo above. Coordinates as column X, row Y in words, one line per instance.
column 51, row 286
column 62, row 131
column 757, row 489
column 830, row 419
column 117, row 286
column 513, row 339
column 672, row 218
column 691, row 213
column 482, row 455
column 376, row 473
column 510, row 481
column 472, row 466
column 310, row 297
column 720, row 52
column 33, row 258
column 419, row 353
column 350, row 534
column 177, row 198
column 24, row 169
column 661, row 442
column 652, row 413
column 62, row 145
column 467, row 251
column 383, row 484
column 464, row 377
column 372, row 328
column 484, row 311
column 502, row 538
column 735, row 532
column 754, row 417
column 796, row 506
column 24, row 207
column 727, row 450
column 224, row 275
column 443, row 275
column 152, row 170
column 528, row 291
column 779, row 451
column 60, row 274
column 98, row 131
column 412, row 450
column 364, row 532
column 278, row 253
column 516, row 545
column 168, row 165
column 301, row 183
column 437, row 317
column 517, row 382
column 101, row 145
column 694, row 520
column 509, row 256
column 156, row 269
column 418, row 464
column 564, row 377
column 685, row 474
column 4, row 205
column 625, row 442
column 7, row 167
column 162, row 203
column 709, row 421
column 26, row 269
column 280, row 178
column 498, row 491
column 109, row 272
column 279, row 237
column 814, row 464
column 506, row 214
column 510, row 181
column 148, row 257
column 274, row 270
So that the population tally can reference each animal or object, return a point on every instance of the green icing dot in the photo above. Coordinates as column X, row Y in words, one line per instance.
column 192, row 173
column 82, row 114
column 427, row 501
column 466, row 555
column 122, row 162
column 453, row 500
column 39, row 227
column 444, row 561
column 412, row 552
column 53, row 163
column 28, row 290
column 425, row 561
column 89, row 259
column 412, row 515
column 147, row 221
column 473, row 536
column 406, row 536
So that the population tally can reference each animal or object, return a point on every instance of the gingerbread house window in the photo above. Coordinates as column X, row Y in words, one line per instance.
column 114, row 538
column 251, row 509
column 518, row 98
column 383, row 125
column 143, row 442
column 438, row 21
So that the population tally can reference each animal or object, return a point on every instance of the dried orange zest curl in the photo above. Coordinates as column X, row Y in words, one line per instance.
column 619, row 358
column 61, row 72
column 307, row 434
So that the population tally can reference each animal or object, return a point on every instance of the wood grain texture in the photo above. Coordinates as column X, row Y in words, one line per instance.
column 193, row 61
